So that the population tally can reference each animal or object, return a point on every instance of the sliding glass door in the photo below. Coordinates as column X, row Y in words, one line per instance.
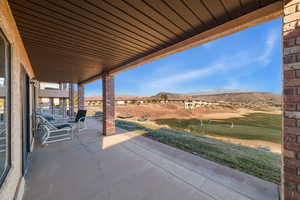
column 4, row 107
column 26, row 119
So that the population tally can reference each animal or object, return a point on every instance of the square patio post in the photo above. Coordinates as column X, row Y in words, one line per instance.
column 36, row 88
column 291, row 101
column 62, row 100
column 80, row 96
column 71, row 99
column 108, row 83
column 37, row 103
column 64, row 107
column 51, row 105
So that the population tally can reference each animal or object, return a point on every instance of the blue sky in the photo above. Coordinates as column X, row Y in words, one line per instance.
column 247, row 60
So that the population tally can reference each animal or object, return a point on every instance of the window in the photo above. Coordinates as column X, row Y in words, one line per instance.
column 4, row 107
column 46, row 85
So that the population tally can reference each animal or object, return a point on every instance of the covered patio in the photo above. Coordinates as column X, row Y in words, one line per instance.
column 128, row 166
column 78, row 42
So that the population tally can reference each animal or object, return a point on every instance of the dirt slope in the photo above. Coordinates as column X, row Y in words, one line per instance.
column 157, row 111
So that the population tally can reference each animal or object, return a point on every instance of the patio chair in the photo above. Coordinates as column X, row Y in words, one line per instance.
column 98, row 115
column 54, row 133
column 80, row 114
column 80, row 120
column 53, row 125
column 52, row 119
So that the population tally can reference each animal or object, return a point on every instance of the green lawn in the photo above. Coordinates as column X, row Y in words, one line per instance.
column 258, row 126
column 263, row 164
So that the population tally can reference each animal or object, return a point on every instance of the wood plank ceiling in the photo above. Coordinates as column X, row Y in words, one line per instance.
column 73, row 40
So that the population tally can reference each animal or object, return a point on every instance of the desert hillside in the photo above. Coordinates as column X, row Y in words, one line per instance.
column 245, row 97
column 236, row 97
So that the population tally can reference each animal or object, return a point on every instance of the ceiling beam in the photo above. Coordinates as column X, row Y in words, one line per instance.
column 14, row 36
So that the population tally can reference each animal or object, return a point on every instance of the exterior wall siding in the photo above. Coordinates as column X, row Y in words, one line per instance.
column 19, row 57
column 291, row 98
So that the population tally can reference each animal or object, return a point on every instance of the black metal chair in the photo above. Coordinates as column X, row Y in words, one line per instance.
column 80, row 120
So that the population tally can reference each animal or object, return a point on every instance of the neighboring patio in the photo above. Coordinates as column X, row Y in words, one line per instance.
column 128, row 166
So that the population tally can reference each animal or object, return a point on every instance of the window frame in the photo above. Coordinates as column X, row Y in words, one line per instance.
column 7, row 105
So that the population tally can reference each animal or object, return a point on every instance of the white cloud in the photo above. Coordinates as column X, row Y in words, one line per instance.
column 187, row 75
column 222, row 66
column 272, row 38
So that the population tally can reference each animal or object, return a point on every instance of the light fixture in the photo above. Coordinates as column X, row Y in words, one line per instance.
column 34, row 82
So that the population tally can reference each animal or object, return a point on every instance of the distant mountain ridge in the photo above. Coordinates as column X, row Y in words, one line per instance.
column 219, row 91
column 243, row 97
column 227, row 95
column 117, row 97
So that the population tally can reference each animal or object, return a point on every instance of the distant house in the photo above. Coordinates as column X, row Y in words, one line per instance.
column 93, row 101
column 191, row 104
column 119, row 100
column 122, row 100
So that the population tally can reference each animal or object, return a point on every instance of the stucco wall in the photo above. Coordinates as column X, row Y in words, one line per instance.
column 18, row 58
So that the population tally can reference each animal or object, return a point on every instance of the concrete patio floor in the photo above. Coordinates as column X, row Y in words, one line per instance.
column 127, row 166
